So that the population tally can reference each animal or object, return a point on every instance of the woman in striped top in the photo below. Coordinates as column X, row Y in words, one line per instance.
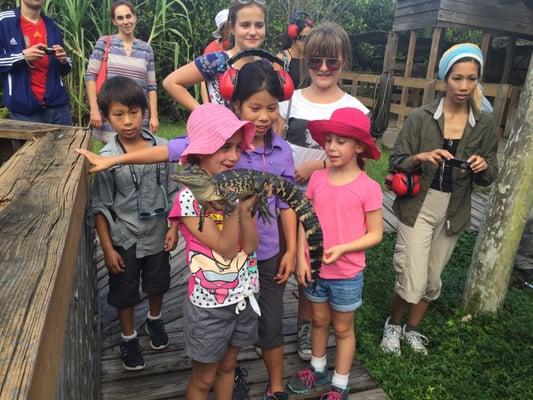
column 128, row 57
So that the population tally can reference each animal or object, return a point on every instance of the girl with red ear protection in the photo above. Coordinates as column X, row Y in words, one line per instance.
column 247, row 23
column 300, row 25
column 229, row 79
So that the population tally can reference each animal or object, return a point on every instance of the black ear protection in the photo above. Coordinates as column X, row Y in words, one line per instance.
column 293, row 29
column 228, row 81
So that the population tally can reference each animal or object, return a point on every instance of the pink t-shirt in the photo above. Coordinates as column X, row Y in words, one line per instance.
column 341, row 212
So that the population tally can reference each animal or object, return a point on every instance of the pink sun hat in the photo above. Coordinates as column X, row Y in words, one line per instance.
column 348, row 122
column 210, row 125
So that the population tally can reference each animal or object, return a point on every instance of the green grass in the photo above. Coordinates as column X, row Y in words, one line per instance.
column 378, row 170
column 489, row 357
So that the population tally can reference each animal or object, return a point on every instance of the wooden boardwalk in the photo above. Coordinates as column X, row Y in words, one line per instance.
column 167, row 372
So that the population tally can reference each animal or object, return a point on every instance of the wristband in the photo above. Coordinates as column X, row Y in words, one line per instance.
column 118, row 160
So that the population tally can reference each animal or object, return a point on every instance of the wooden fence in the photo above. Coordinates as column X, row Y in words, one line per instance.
column 47, row 287
column 419, row 91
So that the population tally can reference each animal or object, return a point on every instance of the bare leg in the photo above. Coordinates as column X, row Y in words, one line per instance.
column 399, row 309
column 155, row 302
column 320, row 330
column 202, row 380
column 125, row 316
column 417, row 312
column 345, row 340
column 304, row 308
column 273, row 359
column 226, row 374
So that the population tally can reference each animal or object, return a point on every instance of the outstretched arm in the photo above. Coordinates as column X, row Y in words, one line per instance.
column 149, row 155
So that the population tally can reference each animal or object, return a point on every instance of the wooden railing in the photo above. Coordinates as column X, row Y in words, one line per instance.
column 43, row 262
column 421, row 91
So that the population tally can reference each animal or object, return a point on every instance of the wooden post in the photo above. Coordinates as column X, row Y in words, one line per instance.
column 435, row 42
column 507, row 212
column 485, row 46
column 509, row 55
column 407, row 74
column 390, row 52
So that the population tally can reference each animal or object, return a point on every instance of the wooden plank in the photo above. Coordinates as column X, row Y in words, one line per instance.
column 500, row 101
column 491, row 15
column 41, row 223
column 407, row 73
column 429, row 92
column 415, row 21
column 432, row 61
column 485, row 46
column 511, row 110
column 23, row 130
column 509, row 57
column 374, row 394
column 390, row 52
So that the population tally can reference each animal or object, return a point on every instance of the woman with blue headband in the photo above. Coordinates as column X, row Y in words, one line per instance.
column 451, row 144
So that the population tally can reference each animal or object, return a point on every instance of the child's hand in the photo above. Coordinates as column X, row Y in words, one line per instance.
column 114, row 262
column 171, row 239
column 332, row 254
column 303, row 272
column 286, row 268
column 100, row 163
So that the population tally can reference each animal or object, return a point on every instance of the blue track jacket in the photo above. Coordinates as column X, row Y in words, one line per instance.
column 16, row 84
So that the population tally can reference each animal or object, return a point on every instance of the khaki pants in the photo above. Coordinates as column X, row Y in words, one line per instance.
column 423, row 250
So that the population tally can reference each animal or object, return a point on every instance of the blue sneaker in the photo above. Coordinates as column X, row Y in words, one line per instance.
column 309, row 380
column 336, row 393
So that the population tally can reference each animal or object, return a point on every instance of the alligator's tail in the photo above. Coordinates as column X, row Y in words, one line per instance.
column 307, row 216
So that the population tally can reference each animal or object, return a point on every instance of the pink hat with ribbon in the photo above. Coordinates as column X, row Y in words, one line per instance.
column 210, row 125
column 348, row 122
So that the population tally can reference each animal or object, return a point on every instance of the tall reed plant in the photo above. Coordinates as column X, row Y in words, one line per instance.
column 165, row 24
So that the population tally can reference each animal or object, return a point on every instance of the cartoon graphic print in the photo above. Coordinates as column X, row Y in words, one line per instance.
column 216, row 281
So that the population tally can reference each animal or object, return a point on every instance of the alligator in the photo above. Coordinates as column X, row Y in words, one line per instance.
column 230, row 186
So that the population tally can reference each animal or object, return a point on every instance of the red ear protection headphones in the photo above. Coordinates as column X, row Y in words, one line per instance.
column 228, row 81
column 403, row 184
column 293, row 29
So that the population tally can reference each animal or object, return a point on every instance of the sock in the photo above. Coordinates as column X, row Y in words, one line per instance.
column 319, row 363
column 339, row 381
column 153, row 318
column 126, row 338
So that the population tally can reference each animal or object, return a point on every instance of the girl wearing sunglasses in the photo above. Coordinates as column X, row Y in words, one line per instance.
column 247, row 23
column 300, row 25
column 326, row 52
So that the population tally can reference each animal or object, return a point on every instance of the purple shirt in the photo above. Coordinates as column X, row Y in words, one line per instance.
column 277, row 161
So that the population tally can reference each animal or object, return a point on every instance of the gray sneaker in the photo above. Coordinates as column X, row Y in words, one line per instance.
column 390, row 343
column 309, row 380
column 304, row 340
column 416, row 340
column 336, row 393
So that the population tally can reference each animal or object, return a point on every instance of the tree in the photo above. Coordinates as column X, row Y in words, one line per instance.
column 507, row 212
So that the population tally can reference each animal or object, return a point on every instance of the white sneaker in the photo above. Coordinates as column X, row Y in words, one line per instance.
column 416, row 340
column 391, row 338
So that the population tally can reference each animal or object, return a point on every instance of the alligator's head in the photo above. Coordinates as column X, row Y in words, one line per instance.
column 198, row 181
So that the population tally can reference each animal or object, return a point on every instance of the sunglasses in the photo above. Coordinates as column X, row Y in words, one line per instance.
column 301, row 37
column 332, row 64
column 262, row 2
column 157, row 211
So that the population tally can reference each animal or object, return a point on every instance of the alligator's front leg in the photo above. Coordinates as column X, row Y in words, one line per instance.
column 262, row 190
column 231, row 203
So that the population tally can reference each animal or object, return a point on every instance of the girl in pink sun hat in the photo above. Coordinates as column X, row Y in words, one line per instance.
column 220, row 313
column 348, row 205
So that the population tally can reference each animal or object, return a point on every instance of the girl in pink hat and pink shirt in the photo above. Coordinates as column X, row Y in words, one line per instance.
column 348, row 205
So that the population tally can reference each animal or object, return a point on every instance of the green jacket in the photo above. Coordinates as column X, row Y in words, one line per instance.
column 423, row 131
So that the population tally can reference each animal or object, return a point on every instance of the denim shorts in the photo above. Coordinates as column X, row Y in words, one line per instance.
column 343, row 295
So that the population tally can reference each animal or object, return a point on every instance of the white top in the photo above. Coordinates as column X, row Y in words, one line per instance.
column 304, row 109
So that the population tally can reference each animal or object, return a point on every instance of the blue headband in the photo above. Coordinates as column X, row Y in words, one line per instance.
column 456, row 53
